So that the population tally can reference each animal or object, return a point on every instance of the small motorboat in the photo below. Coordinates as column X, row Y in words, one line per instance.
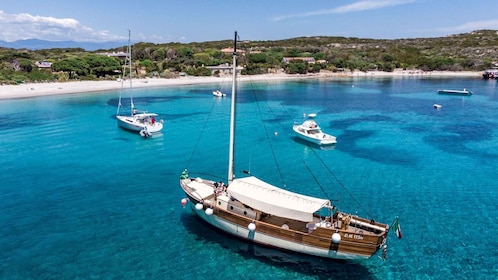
column 436, row 106
column 310, row 131
column 218, row 93
column 455, row 92
column 491, row 73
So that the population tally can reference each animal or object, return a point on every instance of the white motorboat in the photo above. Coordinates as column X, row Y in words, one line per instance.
column 455, row 92
column 218, row 93
column 309, row 130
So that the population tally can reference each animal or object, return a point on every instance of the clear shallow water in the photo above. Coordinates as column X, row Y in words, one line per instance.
column 82, row 199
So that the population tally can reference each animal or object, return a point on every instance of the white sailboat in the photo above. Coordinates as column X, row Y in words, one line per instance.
column 259, row 212
column 144, row 123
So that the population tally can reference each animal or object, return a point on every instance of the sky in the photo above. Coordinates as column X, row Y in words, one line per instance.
column 185, row 21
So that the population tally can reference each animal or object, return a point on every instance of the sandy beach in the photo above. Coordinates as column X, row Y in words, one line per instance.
column 42, row 89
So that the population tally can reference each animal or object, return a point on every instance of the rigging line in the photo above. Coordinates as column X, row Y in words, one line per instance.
column 313, row 174
column 286, row 131
column 200, row 135
column 266, row 132
column 302, row 159
column 313, row 149
column 341, row 184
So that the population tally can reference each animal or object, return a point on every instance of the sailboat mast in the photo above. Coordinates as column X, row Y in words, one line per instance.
column 232, row 112
column 129, row 60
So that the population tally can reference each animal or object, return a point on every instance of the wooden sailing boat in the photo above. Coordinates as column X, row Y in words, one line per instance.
column 259, row 212
column 142, row 122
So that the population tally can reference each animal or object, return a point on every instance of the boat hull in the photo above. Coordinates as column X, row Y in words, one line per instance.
column 490, row 73
column 219, row 94
column 317, row 138
column 454, row 92
column 132, row 123
column 280, row 233
column 261, row 237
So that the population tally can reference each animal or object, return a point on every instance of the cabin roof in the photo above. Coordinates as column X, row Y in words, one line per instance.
column 275, row 201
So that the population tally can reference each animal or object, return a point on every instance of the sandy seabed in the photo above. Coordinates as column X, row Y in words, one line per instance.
column 42, row 89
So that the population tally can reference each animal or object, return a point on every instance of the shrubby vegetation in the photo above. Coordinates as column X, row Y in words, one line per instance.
column 473, row 51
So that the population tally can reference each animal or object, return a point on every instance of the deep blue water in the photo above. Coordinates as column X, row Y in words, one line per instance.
column 82, row 199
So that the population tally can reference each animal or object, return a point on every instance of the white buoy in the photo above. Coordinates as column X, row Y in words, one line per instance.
column 336, row 238
column 184, row 201
column 209, row 211
column 198, row 206
column 252, row 226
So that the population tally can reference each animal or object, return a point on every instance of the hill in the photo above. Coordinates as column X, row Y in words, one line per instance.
column 473, row 51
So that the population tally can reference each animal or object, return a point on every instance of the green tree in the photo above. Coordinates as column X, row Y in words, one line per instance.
column 26, row 65
column 257, row 58
column 73, row 66
column 292, row 52
column 148, row 64
column 185, row 53
column 100, row 65
column 202, row 58
column 297, row 67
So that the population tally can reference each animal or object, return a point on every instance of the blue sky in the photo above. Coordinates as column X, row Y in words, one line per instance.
column 163, row 21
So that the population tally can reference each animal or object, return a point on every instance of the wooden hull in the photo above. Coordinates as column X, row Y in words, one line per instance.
column 355, row 242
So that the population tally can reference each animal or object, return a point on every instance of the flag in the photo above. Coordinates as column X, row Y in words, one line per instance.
column 397, row 229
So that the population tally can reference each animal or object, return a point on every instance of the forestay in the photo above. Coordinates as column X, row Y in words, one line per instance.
column 275, row 201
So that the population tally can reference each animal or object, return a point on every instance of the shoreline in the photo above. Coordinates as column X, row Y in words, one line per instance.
column 56, row 88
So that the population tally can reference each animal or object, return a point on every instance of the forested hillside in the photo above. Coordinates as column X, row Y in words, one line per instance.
column 474, row 51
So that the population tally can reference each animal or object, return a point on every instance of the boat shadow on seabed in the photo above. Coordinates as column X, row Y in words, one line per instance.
column 288, row 261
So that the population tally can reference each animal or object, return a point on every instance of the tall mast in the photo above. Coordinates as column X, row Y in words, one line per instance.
column 232, row 112
column 129, row 60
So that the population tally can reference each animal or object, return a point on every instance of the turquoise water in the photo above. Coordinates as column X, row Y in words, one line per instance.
column 82, row 199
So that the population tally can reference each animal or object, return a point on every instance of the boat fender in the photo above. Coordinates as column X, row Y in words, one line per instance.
column 251, row 226
column 336, row 238
column 209, row 211
column 199, row 206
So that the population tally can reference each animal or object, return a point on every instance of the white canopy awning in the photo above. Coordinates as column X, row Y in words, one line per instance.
column 275, row 201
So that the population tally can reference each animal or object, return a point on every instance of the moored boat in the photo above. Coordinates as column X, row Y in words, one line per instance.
column 259, row 212
column 219, row 93
column 491, row 73
column 140, row 121
column 310, row 131
column 455, row 92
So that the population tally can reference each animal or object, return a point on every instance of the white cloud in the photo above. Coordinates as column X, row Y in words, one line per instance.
column 26, row 26
column 471, row 26
column 354, row 7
